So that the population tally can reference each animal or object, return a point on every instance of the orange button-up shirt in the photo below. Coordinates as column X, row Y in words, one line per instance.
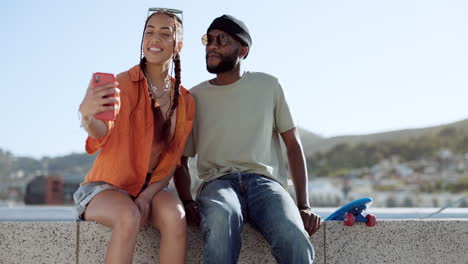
column 126, row 148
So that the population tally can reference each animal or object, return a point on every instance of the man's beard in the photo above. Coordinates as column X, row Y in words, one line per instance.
column 226, row 64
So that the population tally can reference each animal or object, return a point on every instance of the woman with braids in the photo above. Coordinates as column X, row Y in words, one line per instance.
column 127, row 186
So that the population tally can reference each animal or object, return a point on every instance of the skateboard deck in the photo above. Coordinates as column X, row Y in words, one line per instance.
column 353, row 212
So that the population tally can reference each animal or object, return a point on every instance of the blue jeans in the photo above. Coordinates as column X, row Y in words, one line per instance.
column 230, row 201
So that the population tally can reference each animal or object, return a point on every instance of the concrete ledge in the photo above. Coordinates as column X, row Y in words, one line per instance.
column 40, row 242
column 93, row 240
column 409, row 241
column 391, row 241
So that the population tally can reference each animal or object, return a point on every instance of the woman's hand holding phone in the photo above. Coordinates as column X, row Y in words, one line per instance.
column 102, row 96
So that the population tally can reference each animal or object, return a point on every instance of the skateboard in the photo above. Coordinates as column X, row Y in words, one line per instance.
column 352, row 213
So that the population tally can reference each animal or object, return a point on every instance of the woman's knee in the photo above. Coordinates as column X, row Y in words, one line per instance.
column 168, row 215
column 173, row 220
column 129, row 218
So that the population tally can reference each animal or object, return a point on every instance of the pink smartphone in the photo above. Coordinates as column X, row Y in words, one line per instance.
column 100, row 78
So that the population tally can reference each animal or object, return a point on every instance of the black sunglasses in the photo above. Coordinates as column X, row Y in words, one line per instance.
column 220, row 40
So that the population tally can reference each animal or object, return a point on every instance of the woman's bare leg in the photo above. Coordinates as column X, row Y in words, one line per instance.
column 116, row 210
column 168, row 215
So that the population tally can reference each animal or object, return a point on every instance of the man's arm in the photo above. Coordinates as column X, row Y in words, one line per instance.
column 182, row 182
column 300, row 179
column 296, row 160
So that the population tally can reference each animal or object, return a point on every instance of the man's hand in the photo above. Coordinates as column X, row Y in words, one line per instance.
column 311, row 221
column 191, row 210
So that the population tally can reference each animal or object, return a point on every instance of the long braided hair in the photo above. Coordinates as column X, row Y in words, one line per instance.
column 162, row 124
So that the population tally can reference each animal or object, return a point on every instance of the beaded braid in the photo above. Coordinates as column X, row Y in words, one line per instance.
column 157, row 113
column 167, row 124
column 142, row 67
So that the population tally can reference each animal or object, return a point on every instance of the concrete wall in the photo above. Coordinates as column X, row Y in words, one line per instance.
column 391, row 241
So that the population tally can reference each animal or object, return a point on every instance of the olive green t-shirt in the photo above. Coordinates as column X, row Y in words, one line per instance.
column 237, row 126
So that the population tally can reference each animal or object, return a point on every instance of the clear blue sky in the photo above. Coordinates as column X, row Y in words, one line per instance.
column 348, row 67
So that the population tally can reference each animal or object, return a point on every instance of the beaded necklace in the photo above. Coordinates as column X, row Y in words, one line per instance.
column 154, row 90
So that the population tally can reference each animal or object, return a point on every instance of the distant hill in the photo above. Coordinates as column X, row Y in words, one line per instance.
column 309, row 138
column 72, row 165
column 422, row 141
column 313, row 143
column 335, row 156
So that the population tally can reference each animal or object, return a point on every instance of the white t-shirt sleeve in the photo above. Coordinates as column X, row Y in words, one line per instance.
column 283, row 117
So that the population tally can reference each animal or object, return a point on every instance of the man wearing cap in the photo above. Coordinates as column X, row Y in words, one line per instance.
column 239, row 121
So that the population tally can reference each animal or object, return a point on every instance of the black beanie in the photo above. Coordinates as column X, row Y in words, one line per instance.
column 234, row 27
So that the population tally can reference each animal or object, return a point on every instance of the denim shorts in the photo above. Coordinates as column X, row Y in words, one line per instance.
column 87, row 192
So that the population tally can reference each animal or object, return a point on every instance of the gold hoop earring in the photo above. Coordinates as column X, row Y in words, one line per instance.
column 176, row 56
